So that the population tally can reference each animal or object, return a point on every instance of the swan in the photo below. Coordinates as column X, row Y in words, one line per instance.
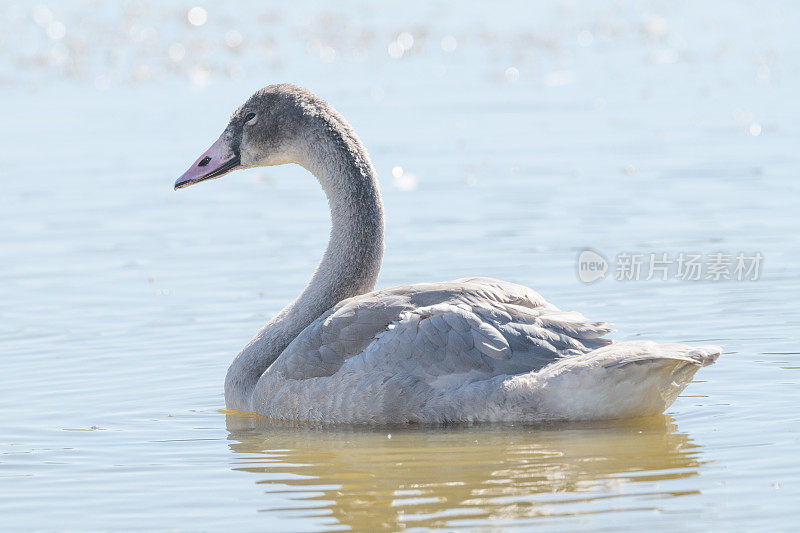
column 471, row 350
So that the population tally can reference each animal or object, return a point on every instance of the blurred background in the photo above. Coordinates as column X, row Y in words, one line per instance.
column 507, row 138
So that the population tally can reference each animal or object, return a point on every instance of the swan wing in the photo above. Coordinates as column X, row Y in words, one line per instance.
column 441, row 333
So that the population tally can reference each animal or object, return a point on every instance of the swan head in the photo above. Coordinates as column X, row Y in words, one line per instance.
column 269, row 129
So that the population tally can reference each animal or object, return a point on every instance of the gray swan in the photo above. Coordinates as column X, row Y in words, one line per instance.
column 470, row 350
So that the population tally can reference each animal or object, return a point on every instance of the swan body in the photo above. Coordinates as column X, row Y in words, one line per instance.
column 469, row 350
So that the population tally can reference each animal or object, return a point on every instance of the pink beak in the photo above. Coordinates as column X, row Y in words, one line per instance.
column 215, row 162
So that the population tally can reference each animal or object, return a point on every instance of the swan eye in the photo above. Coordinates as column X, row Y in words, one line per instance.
column 250, row 119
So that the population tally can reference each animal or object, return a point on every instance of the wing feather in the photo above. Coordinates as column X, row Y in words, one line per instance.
column 468, row 329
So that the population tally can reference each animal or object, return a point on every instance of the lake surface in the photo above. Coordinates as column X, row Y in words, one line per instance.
column 507, row 140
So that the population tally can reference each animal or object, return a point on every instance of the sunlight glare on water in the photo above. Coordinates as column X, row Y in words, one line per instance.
column 506, row 142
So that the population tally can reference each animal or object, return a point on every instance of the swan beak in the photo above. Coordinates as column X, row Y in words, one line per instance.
column 215, row 162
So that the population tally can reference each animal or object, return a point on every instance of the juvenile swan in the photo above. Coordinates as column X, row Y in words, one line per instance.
column 473, row 349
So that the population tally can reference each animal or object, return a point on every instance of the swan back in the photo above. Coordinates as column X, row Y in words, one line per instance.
column 430, row 336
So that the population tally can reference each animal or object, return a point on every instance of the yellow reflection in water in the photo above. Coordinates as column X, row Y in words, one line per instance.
column 392, row 478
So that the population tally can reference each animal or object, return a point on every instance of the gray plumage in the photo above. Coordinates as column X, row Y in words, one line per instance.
column 474, row 349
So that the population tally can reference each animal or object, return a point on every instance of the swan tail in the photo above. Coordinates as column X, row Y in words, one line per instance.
column 622, row 380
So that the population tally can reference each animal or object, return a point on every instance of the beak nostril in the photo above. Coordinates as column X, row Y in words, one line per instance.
column 204, row 161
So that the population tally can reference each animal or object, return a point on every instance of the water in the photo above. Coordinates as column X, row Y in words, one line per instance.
column 658, row 128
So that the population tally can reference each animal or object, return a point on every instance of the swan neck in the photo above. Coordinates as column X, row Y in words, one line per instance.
column 350, row 264
column 352, row 260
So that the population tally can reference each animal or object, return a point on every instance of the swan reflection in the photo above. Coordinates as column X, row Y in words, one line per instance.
column 407, row 477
